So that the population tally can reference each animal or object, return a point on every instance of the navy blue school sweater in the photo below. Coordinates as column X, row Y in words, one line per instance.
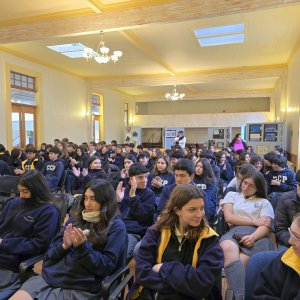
column 81, row 181
column 119, row 161
column 83, row 268
column 138, row 212
column 211, row 193
column 177, row 278
column 280, row 279
column 165, row 195
column 53, row 171
column 26, row 231
column 286, row 177
column 166, row 179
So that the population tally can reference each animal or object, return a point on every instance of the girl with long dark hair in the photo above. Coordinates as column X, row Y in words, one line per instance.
column 27, row 225
column 249, row 215
column 87, row 249
column 206, row 180
column 161, row 176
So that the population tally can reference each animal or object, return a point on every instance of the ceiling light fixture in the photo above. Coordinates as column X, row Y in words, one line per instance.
column 101, row 55
column 174, row 95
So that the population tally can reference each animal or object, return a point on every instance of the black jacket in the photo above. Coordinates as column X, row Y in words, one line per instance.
column 288, row 205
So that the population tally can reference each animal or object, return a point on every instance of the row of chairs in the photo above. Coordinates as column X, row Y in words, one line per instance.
column 113, row 287
column 8, row 188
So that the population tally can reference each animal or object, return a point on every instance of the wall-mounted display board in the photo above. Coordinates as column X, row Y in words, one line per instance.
column 219, row 136
column 264, row 136
column 255, row 133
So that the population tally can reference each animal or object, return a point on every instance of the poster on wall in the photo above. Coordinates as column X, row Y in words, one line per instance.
column 218, row 134
column 173, row 134
column 255, row 132
column 270, row 132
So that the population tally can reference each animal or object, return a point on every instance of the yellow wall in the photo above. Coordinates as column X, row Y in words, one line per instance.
column 113, row 115
column 62, row 102
column 293, row 105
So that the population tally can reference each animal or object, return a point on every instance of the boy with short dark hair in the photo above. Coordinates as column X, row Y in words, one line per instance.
column 184, row 171
column 53, row 169
column 145, row 160
column 280, row 179
column 32, row 162
column 137, row 205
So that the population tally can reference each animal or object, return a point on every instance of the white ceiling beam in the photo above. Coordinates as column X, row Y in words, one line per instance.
column 126, row 18
column 214, row 76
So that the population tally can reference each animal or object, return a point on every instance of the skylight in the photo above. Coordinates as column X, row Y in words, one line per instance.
column 221, row 35
column 74, row 50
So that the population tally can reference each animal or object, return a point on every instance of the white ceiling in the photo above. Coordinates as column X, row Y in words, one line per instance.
column 167, row 50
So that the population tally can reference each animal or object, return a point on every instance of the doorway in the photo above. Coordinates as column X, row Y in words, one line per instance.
column 23, row 118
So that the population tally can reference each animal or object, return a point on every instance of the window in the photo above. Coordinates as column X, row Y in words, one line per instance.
column 95, row 105
column 74, row 50
column 221, row 35
column 23, row 109
column 21, row 81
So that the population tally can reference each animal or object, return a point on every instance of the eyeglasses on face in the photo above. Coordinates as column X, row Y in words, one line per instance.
column 292, row 236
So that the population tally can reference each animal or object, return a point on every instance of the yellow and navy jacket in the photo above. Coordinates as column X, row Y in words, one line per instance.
column 176, row 280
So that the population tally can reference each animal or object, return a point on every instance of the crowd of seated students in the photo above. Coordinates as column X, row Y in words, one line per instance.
column 144, row 185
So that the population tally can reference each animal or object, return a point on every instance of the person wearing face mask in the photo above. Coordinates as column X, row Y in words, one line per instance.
column 86, row 250
column 27, row 226
column 179, row 257
column 249, row 215
column 136, row 204
column 280, row 279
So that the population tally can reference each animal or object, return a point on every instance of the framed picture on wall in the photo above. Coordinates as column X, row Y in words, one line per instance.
column 168, row 133
column 173, row 133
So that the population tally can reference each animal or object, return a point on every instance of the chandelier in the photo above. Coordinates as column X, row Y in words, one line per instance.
column 101, row 55
column 174, row 96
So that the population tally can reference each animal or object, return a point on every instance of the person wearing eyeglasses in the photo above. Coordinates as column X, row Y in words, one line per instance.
column 249, row 215
column 280, row 279
column 288, row 206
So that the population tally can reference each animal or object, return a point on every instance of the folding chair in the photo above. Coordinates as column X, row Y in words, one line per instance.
column 8, row 188
column 254, row 266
